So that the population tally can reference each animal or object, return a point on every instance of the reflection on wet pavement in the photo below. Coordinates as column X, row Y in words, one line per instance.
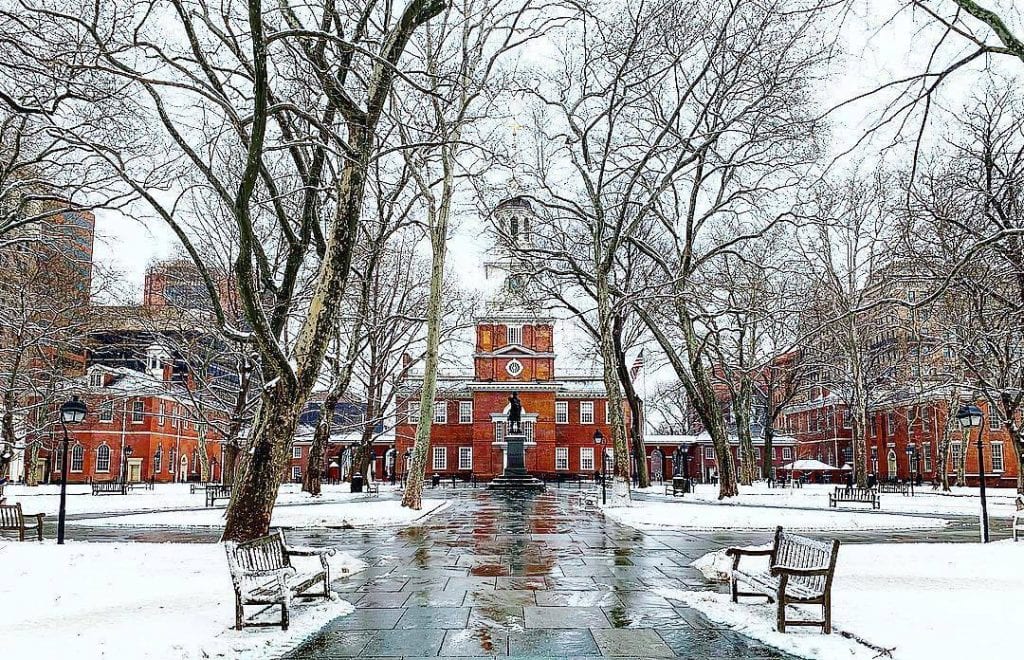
column 502, row 574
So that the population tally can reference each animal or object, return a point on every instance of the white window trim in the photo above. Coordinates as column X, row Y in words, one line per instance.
column 587, row 459
column 71, row 466
column 584, row 418
column 440, row 412
column 296, row 472
column 499, row 431
column 514, row 335
column 465, row 412
column 561, row 456
column 138, row 416
column 465, row 453
column 413, row 411
column 787, row 453
column 1002, row 457
column 107, row 411
column 561, row 412
column 442, row 454
column 709, row 453
column 98, row 468
column 607, row 411
column 296, row 452
column 160, row 415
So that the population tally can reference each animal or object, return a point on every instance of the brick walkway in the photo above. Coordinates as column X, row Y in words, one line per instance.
column 500, row 575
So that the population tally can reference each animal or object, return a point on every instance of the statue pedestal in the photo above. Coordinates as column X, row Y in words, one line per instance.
column 515, row 457
column 515, row 476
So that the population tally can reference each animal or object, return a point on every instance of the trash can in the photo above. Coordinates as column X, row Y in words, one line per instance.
column 435, row 481
column 357, row 483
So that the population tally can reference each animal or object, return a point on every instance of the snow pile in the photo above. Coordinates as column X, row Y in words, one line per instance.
column 376, row 513
column 138, row 600
column 647, row 514
column 915, row 598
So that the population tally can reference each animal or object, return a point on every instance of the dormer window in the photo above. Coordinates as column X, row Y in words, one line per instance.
column 96, row 379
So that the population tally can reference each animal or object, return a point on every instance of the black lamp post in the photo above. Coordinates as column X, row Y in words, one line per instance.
column 912, row 464
column 126, row 454
column 970, row 416
column 71, row 412
column 405, row 465
column 599, row 441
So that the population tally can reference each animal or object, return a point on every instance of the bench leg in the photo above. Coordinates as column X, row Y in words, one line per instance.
column 21, row 533
column 780, row 618
column 827, row 610
column 238, row 612
column 284, row 616
column 735, row 595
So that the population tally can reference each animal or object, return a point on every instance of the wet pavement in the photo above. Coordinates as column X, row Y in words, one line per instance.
column 500, row 575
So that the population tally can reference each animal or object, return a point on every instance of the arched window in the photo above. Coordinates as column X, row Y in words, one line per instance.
column 158, row 458
column 103, row 458
column 892, row 462
column 77, row 458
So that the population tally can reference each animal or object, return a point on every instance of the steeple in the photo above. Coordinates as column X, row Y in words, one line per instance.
column 512, row 228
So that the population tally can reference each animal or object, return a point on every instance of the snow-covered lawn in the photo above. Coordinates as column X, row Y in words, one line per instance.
column 372, row 512
column 684, row 514
column 925, row 601
column 137, row 600
column 46, row 499
column 960, row 501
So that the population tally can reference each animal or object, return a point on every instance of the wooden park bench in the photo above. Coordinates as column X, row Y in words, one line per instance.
column 199, row 486
column 800, row 572
column 262, row 574
column 217, row 492
column 1018, row 518
column 12, row 519
column 109, row 488
column 373, row 488
column 894, row 487
column 854, row 496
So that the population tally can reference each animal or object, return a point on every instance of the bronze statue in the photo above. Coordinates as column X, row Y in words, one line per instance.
column 515, row 412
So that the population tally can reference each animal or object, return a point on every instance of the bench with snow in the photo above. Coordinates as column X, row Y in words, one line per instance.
column 109, row 488
column 586, row 501
column 894, row 487
column 12, row 519
column 800, row 571
column 372, row 488
column 262, row 574
column 1018, row 518
column 854, row 496
column 214, row 493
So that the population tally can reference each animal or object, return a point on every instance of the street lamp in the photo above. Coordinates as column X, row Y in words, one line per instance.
column 126, row 454
column 71, row 412
column 911, row 464
column 599, row 441
column 970, row 416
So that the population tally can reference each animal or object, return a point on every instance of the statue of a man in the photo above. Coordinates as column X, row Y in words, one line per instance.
column 515, row 412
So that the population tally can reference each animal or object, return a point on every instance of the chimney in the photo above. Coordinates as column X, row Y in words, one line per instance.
column 168, row 371
column 406, row 361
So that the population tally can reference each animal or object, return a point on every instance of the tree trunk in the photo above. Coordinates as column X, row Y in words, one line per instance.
column 741, row 411
column 636, row 410
column 252, row 499
column 606, row 342
column 312, row 481
column 767, row 456
column 413, row 497
column 227, row 470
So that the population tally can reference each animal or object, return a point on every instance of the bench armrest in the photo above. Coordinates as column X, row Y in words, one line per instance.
column 792, row 570
column 287, row 571
column 305, row 551
column 740, row 552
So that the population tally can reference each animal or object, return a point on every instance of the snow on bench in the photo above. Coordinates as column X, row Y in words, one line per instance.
column 262, row 574
column 800, row 571
column 855, row 496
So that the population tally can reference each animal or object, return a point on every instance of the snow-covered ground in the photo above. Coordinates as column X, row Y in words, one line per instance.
column 924, row 601
column 960, row 501
column 46, row 499
column 137, row 600
column 712, row 515
column 374, row 512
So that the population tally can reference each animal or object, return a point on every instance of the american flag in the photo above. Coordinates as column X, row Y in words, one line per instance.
column 638, row 364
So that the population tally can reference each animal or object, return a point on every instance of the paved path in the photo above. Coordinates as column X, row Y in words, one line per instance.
column 525, row 576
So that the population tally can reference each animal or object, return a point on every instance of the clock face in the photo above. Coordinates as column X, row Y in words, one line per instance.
column 514, row 368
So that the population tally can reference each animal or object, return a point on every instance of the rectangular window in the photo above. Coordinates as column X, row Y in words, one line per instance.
column 587, row 459
column 607, row 412
column 103, row 459
column 160, row 415
column 787, row 453
column 465, row 412
column 440, row 458
column 77, row 458
column 847, row 419
column 954, row 450
column 440, row 412
column 995, row 422
column 499, row 431
column 997, row 457
column 891, row 424
column 465, row 458
column 107, row 411
column 296, row 473
column 413, row 409
column 709, row 452
column 96, row 379
column 757, row 454
column 138, row 408
column 926, row 455
column 528, row 431
column 158, row 458
column 514, row 335
column 561, row 458
column 561, row 412
column 586, row 412
column 296, row 452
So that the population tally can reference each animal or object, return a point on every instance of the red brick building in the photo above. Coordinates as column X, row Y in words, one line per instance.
column 145, row 411
column 561, row 412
